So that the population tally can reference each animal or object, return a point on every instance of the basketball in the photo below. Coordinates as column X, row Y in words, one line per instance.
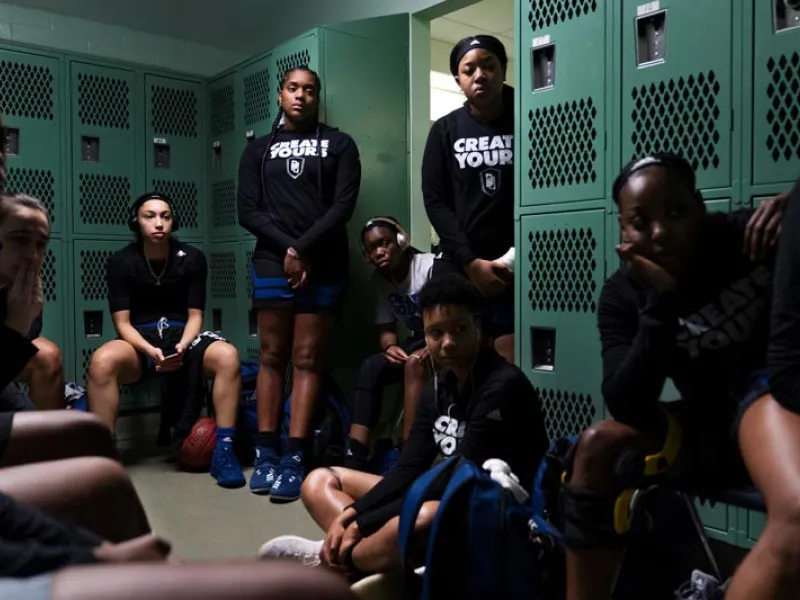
column 198, row 447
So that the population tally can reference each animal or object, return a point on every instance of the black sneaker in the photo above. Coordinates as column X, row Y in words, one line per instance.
column 701, row 586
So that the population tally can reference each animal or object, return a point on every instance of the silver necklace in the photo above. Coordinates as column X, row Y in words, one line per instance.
column 153, row 273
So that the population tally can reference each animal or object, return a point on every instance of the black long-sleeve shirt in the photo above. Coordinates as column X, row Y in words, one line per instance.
column 705, row 337
column 784, row 343
column 468, row 183
column 283, row 205
column 32, row 543
column 497, row 415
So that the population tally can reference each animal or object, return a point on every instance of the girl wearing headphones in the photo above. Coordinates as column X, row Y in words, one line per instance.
column 298, row 188
column 157, row 294
column 400, row 272
column 468, row 184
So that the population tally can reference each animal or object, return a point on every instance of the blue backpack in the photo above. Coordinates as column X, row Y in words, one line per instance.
column 483, row 543
column 331, row 423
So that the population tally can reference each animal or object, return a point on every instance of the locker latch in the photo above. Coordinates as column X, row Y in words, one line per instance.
column 90, row 149
column 253, row 324
column 217, row 157
column 787, row 14
column 161, row 153
column 543, row 64
column 250, row 135
column 651, row 38
column 10, row 140
column 216, row 320
column 543, row 348
column 93, row 323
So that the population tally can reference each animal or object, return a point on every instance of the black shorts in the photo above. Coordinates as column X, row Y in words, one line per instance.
column 496, row 314
column 712, row 435
column 165, row 335
column 14, row 398
column 322, row 293
column 6, row 423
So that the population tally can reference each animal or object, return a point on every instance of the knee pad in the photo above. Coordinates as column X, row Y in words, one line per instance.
column 595, row 520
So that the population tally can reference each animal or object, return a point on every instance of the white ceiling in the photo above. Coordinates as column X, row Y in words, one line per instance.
column 489, row 16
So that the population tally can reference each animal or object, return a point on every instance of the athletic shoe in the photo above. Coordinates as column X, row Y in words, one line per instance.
column 302, row 550
column 264, row 467
column 289, row 479
column 225, row 467
column 700, row 586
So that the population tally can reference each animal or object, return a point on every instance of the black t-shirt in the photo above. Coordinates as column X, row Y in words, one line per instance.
column 290, row 209
column 784, row 343
column 36, row 327
column 497, row 415
column 468, row 183
column 148, row 295
column 707, row 336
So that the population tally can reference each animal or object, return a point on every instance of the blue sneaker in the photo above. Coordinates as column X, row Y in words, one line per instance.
column 264, row 467
column 290, row 477
column 225, row 467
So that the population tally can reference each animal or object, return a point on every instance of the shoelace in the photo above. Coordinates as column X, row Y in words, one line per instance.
column 687, row 591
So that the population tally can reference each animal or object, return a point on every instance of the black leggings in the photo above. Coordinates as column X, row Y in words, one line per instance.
column 377, row 372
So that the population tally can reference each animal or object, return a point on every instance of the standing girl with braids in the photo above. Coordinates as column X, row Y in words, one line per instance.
column 297, row 191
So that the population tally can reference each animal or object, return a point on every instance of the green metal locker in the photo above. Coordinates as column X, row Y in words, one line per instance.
column 677, row 84
column 562, row 271
column 174, row 149
column 259, row 100
column 32, row 109
column 776, row 93
column 303, row 51
column 93, row 325
column 226, row 280
column 103, row 144
column 56, row 311
column 225, row 152
column 563, row 112
column 251, row 346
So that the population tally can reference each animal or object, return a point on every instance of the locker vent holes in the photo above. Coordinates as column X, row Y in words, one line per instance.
column 26, row 91
column 680, row 116
column 562, row 144
column 222, row 267
column 222, row 110
column 223, row 203
column 291, row 61
column 562, row 270
column 184, row 195
column 256, row 97
column 249, row 273
column 93, row 263
column 783, row 115
column 49, row 271
column 544, row 13
column 174, row 111
column 103, row 101
column 37, row 183
column 254, row 354
column 104, row 199
column 566, row 413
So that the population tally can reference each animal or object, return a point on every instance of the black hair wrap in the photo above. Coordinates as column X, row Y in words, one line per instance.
column 487, row 42
column 668, row 160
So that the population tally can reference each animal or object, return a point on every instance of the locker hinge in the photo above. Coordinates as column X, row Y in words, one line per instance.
column 605, row 140
column 732, row 120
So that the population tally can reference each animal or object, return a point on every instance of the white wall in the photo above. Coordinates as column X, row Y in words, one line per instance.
column 445, row 94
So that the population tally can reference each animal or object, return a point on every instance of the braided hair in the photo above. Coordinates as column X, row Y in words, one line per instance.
column 276, row 124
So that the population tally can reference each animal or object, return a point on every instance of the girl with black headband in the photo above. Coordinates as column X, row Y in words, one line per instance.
column 156, row 295
column 298, row 188
column 689, row 303
column 468, row 184
column 400, row 273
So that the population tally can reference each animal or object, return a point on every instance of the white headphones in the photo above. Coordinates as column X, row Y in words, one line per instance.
column 403, row 240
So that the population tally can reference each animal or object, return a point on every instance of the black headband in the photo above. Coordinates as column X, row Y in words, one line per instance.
column 487, row 42
column 667, row 160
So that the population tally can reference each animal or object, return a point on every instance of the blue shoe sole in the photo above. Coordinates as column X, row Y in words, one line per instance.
column 237, row 483
column 260, row 491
